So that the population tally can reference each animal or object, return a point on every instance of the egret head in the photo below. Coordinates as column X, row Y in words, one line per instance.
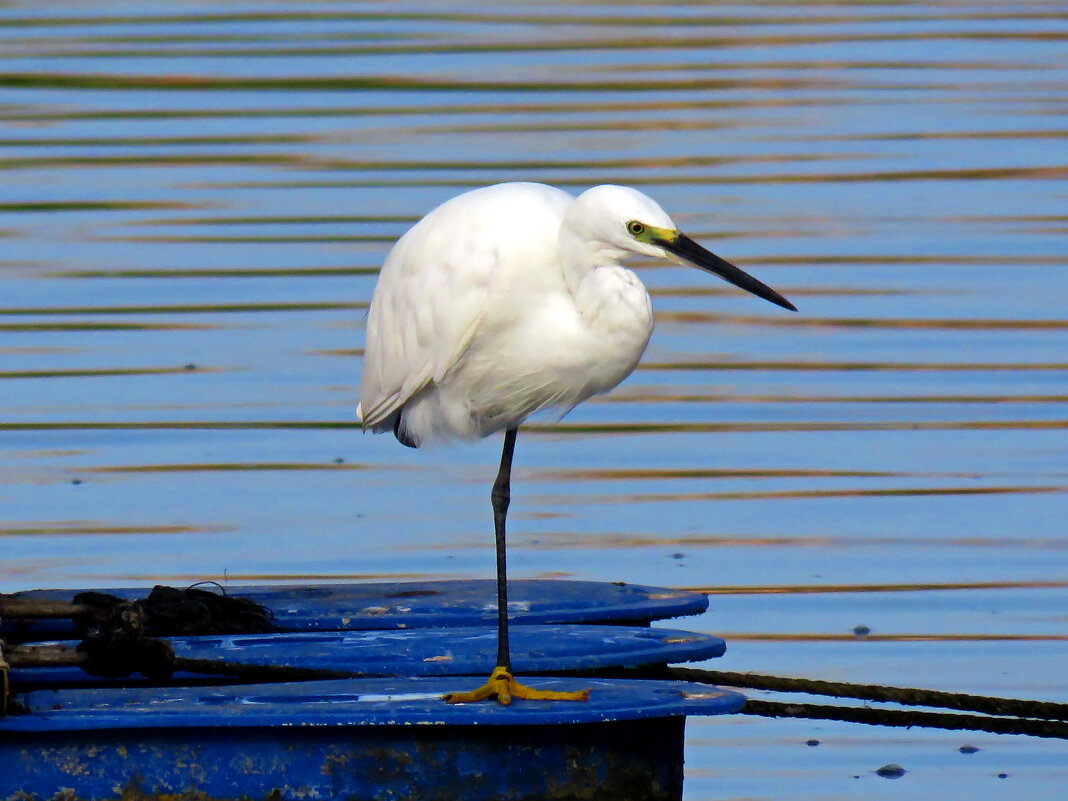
column 625, row 219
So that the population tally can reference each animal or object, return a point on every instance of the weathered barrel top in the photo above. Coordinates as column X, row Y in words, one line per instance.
column 426, row 652
column 424, row 604
column 378, row 738
column 356, row 702
column 372, row 739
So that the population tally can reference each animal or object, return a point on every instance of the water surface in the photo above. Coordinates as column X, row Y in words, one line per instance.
column 197, row 196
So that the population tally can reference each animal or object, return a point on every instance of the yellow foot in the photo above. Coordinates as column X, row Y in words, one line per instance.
column 503, row 685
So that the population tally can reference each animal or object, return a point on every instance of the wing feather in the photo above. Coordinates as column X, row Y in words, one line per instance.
column 439, row 282
column 427, row 305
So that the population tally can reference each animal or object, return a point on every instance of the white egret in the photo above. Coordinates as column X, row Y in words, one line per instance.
column 505, row 301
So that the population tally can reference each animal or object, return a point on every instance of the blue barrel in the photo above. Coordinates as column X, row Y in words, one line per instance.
column 423, row 652
column 423, row 604
column 367, row 739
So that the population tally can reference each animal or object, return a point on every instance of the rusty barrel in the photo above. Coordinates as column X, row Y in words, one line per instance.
column 365, row 739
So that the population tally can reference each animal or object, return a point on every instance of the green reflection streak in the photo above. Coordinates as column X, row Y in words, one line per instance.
column 97, row 205
column 202, row 308
column 102, row 372
column 248, row 272
column 96, row 326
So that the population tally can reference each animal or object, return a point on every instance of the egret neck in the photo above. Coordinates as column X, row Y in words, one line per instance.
column 608, row 297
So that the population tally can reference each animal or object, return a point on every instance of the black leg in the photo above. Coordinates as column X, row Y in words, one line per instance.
column 501, row 684
column 502, row 493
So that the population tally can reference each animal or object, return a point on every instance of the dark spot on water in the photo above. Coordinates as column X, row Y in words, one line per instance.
column 1003, row 775
column 861, row 631
column 76, row 482
column 678, row 555
column 812, row 742
column 339, row 460
column 189, row 366
column 891, row 771
column 967, row 749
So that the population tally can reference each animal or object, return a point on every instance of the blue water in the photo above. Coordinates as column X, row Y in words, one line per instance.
column 195, row 200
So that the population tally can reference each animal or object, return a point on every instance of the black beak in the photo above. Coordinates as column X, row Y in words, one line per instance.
column 685, row 248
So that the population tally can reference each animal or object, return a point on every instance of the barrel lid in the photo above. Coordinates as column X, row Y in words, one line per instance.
column 430, row 652
column 358, row 702
column 426, row 604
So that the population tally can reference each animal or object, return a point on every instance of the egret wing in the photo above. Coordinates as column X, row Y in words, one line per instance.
column 427, row 305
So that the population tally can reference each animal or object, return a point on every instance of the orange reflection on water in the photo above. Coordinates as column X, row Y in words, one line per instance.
column 902, row 492
column 267, row 578
column 84, row 528
column 855, row 322
column 216, row 467
column 635, row 394
column 627, row 474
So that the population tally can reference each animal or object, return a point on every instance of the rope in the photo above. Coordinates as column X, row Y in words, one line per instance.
column 253, row 673
column 119, row 646
column 909, row 718
column 13, row 608
column 5, row 682
column 117, row 641
column 170, row 611
column 174, row 611
column 1053, row 726
column 1046, row 710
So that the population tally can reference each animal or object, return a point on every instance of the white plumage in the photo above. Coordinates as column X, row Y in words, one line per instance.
column 502, row 302
column 505, row 301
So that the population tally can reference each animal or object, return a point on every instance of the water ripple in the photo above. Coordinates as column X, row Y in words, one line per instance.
column 197, row 199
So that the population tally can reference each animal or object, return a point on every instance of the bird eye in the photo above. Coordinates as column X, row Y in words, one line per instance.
column 635, row 227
